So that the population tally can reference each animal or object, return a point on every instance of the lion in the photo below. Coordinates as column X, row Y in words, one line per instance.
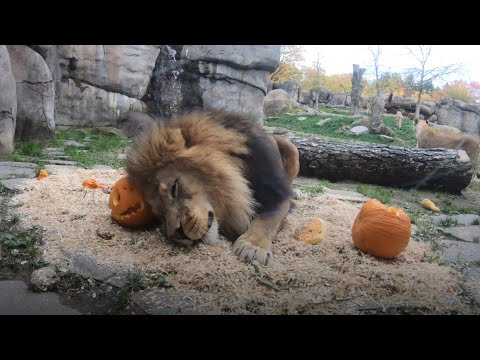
column 429, row 137
column 399, row 118
column 211, row 173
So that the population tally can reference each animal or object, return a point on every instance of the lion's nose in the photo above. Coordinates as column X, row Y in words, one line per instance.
column 210, row 219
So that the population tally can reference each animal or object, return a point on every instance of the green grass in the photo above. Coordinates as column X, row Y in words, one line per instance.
column 99, row 149
column 134, row 280
column 382, row 194
column 448, row 222
column 19, row 247
column 475, row 186
column 30, row 149
column 447, row 207
column 313, row 191
column 403, row 137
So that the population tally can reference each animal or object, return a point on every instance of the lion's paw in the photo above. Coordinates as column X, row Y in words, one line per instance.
column 251, row 249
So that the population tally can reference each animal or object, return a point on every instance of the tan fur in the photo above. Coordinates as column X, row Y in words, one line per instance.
column 445, row 128
column 399, row 118
column 197, row 157
column 428, row 137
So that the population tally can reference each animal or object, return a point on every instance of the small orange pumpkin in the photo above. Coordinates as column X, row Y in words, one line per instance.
column 42, row 174
column 92, row 184
column 128, row 205
column 380, row 230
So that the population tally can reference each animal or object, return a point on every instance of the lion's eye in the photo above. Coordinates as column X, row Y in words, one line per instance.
column 174, row 190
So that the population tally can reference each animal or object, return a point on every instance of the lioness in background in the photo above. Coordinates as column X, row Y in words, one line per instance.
column 210, row 172
column 399, row 118
column 428, row 137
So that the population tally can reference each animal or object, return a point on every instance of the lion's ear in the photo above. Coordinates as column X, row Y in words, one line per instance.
column 187, row 138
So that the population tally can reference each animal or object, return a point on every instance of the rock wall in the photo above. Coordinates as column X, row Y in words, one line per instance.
column 8, row 103
column 98, row 85
column 232, row 77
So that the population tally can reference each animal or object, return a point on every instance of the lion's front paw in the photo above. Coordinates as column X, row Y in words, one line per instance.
column 249, row 247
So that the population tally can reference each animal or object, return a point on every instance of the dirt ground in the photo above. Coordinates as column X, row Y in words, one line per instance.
column 330, row 278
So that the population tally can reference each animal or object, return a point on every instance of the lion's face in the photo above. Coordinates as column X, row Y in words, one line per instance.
column 180, row 199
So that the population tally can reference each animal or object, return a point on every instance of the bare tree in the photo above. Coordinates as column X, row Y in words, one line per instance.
column 423, row 75
column 376, row 54
column 376, row 121
column 318, row 72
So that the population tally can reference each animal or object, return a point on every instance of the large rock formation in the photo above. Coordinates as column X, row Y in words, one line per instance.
column 277, row 102
column 84, row 105
column 463, row 116
column 8, row 103
column 290, row 86
column 123, row 69
column 35, row 94
column 232, row 77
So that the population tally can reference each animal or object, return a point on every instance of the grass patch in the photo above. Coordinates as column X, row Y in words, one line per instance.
column 20, row 248
column 475, row 186
column 99, row 149
column 313, row 191
column 382, row 194
column 403, row 137
column 447, row 207
column 134, row 280
column 448, row 222
column 30, row 149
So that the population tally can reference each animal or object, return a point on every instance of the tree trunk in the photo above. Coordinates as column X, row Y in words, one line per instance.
column 402, row 167
column 417, row 107
column 376, row 121
column 357, row 88
column 316, row 100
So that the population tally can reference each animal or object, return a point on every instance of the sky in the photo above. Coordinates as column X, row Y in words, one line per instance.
column 338, row 59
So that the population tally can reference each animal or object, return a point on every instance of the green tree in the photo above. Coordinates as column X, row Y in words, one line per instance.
column 290, row 55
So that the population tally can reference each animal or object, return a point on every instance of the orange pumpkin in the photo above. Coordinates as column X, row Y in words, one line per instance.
column 380, row 230
column 92, row 184
column 42, row 174
column 128, row 205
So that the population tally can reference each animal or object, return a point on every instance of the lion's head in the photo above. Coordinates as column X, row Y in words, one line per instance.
column 191, row 172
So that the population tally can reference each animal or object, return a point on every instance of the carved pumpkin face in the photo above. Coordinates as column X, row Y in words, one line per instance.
column 380, row 230
column 128, row 205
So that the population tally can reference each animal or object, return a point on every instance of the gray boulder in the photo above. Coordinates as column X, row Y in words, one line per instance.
column 135, row 122
column 50, row 55
column 290, row 86
column 123, row 69
column 338, row 99
column 35, row 94
column 232, row 77
column 277, row 102
column 44, row 279
column 8, row 103
column 460, row 115
column 259, row 57
column 86, row 105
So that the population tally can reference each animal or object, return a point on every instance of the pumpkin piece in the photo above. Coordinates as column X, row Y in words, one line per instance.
column 128, row 205
column 428, row 204
column 380, row 230
column 312, row 232
column 42, row 174
column 92, row 184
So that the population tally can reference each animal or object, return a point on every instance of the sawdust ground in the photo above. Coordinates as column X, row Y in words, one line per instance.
column 329, row 278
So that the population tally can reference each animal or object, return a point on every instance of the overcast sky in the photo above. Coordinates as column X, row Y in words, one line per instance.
column 336, row 59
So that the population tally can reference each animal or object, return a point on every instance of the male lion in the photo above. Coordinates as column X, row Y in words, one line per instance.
column 210, row 172
column 428, row 137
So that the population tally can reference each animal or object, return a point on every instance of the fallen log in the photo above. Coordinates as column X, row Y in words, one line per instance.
column 402, row 167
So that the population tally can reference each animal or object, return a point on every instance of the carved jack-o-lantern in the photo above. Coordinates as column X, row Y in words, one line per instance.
column 128, row 205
